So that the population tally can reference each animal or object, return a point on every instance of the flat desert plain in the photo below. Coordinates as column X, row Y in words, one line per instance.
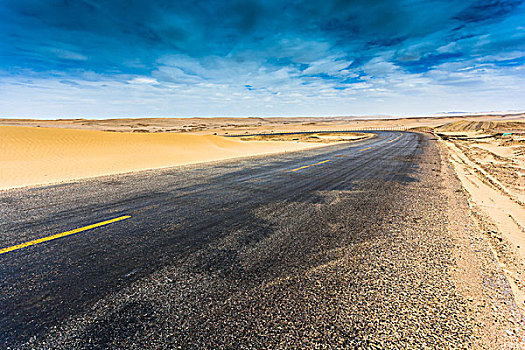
column 241, row 126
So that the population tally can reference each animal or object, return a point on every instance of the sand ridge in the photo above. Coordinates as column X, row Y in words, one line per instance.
column 31, row 155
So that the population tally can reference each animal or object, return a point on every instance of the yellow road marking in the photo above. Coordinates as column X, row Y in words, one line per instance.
column 397, row 138
column 63, row 234
column 307, row 166
column 364, row 149
column 303, row 167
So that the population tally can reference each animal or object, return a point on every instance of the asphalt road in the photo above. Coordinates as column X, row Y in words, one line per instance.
column 215, row 220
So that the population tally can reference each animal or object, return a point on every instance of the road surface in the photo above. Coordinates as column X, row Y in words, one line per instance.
column 221, row 254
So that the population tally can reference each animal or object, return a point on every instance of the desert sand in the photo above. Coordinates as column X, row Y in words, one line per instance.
column 31, row 155
column 489, row 159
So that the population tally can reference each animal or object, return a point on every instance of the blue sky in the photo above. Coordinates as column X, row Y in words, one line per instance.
column 133, row 58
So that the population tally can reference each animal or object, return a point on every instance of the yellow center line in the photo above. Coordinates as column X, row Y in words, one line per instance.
column 307, row 166
column 303, row 167
column 63, row 234
column 364, row 149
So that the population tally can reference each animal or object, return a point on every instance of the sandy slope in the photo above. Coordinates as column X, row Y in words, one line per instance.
column 492, row 172
column 30, row 156
column 482, row 126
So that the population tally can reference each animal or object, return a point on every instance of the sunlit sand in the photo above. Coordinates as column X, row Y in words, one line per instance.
column 31, row 156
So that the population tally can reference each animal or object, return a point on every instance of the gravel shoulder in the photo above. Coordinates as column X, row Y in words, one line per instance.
column 397, row 261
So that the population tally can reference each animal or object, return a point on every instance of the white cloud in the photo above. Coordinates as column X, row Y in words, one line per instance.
column 143, row 80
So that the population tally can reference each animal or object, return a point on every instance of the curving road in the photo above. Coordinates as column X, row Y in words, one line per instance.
column 238, row 225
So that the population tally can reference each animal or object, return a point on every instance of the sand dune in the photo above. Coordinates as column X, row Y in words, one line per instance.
column 482, row 126
column 30, row 156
